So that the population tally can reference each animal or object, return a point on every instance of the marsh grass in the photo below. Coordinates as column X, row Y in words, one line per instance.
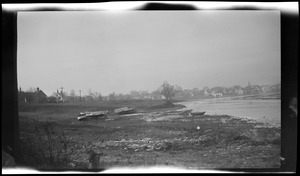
column 46, row 148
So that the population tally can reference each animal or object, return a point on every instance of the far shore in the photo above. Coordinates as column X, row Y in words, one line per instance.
column 273, row 95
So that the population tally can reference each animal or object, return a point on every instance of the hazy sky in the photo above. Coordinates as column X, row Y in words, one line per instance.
column 113, row 51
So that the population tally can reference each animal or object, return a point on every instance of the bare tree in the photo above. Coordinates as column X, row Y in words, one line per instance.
column 112, row 96
column 134, row 94
column 96, row 96
column 144, row 94
column 156, row 95
column 179, row 91
column 65, row 94
column 168, row 91
column 31, row 89
column 73, row 94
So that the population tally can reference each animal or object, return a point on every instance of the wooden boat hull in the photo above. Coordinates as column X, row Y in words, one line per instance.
column 186, row 112
column 95, row 114
column 124, row 110
column 197, row 113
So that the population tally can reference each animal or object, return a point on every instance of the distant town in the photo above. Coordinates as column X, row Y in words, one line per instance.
column 36, row 95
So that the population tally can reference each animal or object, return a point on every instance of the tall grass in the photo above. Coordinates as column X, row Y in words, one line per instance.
column 46, row 148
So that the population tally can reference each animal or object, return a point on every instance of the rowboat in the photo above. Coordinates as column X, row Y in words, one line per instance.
column 124, row 110
column 186, row 112
column 197, row 113
column 95, row 114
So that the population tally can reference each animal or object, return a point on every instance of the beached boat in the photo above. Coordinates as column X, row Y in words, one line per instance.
column 197, row 113
column 186, row 112
column 95, row 114
column 125, row 110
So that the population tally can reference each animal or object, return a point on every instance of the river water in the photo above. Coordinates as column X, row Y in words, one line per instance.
column 267, row 111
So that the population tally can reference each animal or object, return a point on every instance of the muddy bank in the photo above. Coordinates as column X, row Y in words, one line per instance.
column 150, row 137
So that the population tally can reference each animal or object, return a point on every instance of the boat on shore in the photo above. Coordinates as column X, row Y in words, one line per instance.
column 125, row 110
column 197, row 113
column 95, row 114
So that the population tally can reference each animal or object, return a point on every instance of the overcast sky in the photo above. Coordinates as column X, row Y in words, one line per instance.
column 117, row 51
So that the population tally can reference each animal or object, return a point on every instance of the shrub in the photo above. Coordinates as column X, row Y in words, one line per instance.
column 45, row 149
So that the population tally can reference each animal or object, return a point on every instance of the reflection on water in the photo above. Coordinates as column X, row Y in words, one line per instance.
column 267, row 111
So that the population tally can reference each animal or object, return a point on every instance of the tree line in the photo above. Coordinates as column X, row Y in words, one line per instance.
column 166, row 91
column 170, row 92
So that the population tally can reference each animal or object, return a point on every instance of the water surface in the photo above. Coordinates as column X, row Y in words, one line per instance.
column 267, row 111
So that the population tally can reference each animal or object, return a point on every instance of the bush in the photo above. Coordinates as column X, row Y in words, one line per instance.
column 45, row 149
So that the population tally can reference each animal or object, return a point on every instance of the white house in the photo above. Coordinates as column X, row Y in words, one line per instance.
column 206, row 93
column 219, row 94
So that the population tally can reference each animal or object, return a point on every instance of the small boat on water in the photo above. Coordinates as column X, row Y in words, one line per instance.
column 197, row 113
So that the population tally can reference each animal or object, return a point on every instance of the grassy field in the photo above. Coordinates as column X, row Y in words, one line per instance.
column 157, row 135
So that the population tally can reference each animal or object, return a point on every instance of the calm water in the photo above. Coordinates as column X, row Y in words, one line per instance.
column 267, row 111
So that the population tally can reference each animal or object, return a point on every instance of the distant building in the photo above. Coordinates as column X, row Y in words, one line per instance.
column 59, row 96
column 266, row 88
column 40, row 96
column 239, row 91
column 32, row 97
column 213, row 93
column 206, row 93
column 219, row 95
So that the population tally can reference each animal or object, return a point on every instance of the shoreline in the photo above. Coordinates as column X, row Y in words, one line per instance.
column 268, row 121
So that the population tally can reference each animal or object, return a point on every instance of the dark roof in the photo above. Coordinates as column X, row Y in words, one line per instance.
column 40, row 93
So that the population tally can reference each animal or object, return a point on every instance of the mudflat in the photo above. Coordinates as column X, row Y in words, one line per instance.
column 157, row 134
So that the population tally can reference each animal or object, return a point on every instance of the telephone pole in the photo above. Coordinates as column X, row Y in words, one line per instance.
column 79, row 95
column 62, row 93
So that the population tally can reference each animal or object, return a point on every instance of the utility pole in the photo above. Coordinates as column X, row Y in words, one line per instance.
column 79, row 95
column 62, row 93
